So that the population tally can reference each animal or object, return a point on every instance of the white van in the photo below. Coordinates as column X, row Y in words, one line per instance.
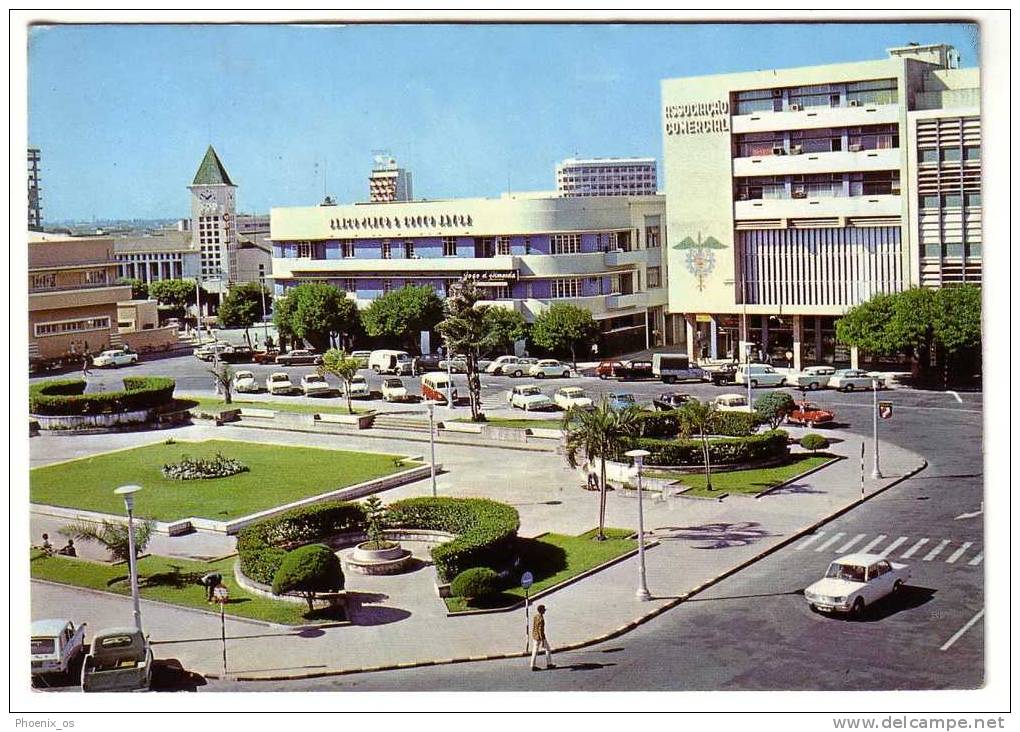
column 759, row 374
column 435, row 385
column 386, row 361
column 673, row 367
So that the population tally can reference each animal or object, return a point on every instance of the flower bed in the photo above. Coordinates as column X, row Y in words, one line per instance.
column 215, row 467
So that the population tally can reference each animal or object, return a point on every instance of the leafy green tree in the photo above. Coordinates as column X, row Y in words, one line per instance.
column 242, row 307
column 564, row 327
column 463, row 330
column 139, row 290
column 599, row 434
column 177, row 294
column 283, row 319
column 112, row 536
column 956, row 323
column 699, row 418
column 503, row 328
column 814, row 442
column 316, row 312
column 308, row 570
column 336, row 362
column 403, row 314
column 773, row 407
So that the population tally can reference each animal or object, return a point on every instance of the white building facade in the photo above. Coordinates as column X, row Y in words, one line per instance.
column 607, row 177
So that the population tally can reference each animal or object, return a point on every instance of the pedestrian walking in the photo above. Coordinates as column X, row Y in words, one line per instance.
column 538, row 636
column 211, row 581
column 86, row 364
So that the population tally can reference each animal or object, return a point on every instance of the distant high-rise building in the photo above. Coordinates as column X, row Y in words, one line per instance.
column 606, row 177
column 34, row 206
column 387, row 182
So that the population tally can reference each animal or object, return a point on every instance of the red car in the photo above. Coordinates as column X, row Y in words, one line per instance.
column 607, row 369
column 265, row 356
column 806, row 413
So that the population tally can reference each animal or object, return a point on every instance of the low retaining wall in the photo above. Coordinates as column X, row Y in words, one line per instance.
column 92, row 421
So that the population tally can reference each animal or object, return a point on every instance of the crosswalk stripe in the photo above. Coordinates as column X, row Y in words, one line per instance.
column 936, row 551
column 889, row 549
column 873, row 543
column 959, row 552
column 976, row 560
column 833, row 540
column 850, row 543
column 810, row 540
column 910, row 552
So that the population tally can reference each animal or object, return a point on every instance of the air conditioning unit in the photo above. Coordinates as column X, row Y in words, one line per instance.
column 779, row 151
column 796, row 149
column 855, row 102
column 854, row 148
column 795, row 107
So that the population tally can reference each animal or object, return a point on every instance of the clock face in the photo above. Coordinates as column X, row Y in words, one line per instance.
column 206, row 195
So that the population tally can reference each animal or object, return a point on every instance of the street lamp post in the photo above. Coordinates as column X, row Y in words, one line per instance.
column 128, row 491
column 747, row 375
column 432, row 442
column 876, row 472
column 265, row 323
column 642, row 590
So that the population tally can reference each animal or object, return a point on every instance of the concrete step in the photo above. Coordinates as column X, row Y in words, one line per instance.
column 396, row 422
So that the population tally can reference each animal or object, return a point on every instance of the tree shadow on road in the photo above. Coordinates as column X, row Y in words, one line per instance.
column 718, row 535
column 795, row 489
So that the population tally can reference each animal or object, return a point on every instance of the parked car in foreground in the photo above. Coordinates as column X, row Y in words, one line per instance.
column 674, row 367
column 393, row 390
column 315, row 385
column 528, row 397
column 606, row 369
column 620, row 400
column 507, row 365
column 851, row 379
column 732, row 403
column 245, row 383
column 549, row 367
column 759, row 374
column 572, row 397
column 356, row 389
column 813, row 377
column 855, row 581
column 56, row 646
column 120, row 660
column 670, row 400
column 279, row 383
column 809, row 414
column 115, row 357
column 299, row 357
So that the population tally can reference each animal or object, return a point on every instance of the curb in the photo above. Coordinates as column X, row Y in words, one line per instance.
column 835, row 459
column 605, row 636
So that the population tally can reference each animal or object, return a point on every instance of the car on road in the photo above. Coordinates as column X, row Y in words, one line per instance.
column 674, row 367
column 620, row 400
column 549, row 367
column 357, row 388
column 813, row 377
column 810, row 414
column 115, row 357
column 388, row 361
column 427, row 362
column 56, row 646
column 279, row 383
column 572, row 397
column 393, row 390
column 724, row 375
column 266, row 356
column 528, row 397
column 206, row 352
column 606, row 369
column 855, row 581
column 670, row 400
column 120, row 660
column 315, row 385
column 852, row 379
column 507, row 365
column 732, row 403
column 634, row 370
column 245, row 383
column 456, row 365
column 236, row 354
column 759, row 374
column 362, row 357
column 299, row 357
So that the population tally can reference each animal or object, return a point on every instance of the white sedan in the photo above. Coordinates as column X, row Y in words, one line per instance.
column 115, row 357
column 393, row 390
column 571, row 397
column 549, row 367
column 813, row 377
column 851, row 379
column 855, row 581
column 315, row 385
column 357, row 388
column 279, row 383
column 528, row 397
column 245, row 383
column 732, row 403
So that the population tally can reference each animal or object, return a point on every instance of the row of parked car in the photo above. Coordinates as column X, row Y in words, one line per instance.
column 434, row 386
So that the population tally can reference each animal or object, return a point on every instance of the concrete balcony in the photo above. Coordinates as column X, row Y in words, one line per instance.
column 650, row 257
column 830, row 162
column 627, row 302
column 797, row 208
column 559, row 265
column 815, row 117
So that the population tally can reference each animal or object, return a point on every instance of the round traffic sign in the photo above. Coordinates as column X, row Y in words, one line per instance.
column 527, row 580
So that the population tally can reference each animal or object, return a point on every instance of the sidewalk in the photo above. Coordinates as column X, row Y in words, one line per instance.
column 399, row 620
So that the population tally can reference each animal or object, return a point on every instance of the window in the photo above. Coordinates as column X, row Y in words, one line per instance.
column 527, row 245
column 972, row 199
column 566, row 287
column 811, row 96
column 346, row 248
column 304, row 250
column 653, row 232
column 654, row 277
column 94, row 277
column 951, row 154
column 759, row 100
column 880, row 91
column 497, row 292
column 71, row 326
column 952, row 200
column 449, row 246
column 384, row 249
column 930, row 201
column 928, row 155
column 503, row 245
column 972, row 154
column 347, row 284
column 43, row 281
column 565, row 244
column 387, row 285
column 408, row 249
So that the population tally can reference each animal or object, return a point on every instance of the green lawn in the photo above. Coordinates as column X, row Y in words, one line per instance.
column 278, row 474
column 554, row 558
column 168, row 580
column 751, row 481
column 295, row 407
column 522, row 424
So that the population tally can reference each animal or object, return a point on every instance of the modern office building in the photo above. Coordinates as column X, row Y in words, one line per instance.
column 388, row 182
column 528, row 252
column 165, row 254
column 34, row 203
column 72, row 295
column 213, row 225
column 794, row 194
column 607, row 177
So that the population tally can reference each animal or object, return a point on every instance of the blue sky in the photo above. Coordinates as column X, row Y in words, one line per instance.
column 123, row 114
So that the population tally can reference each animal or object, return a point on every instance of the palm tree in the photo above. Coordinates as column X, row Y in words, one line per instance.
column 699, row 418
column 598, row 434
column 112, row 536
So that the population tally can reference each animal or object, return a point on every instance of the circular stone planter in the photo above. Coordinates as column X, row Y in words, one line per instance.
column 390, row 560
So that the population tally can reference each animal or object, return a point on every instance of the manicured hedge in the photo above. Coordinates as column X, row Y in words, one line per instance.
column 474, row 583
column 262, row 546
column 486, row 530
column 771, row 444
column 731, row 424
column 66, row 397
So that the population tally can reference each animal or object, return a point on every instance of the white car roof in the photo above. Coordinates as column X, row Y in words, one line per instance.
column 48, row 627
column 860, row 558
column 244, row 375
column 284, row 374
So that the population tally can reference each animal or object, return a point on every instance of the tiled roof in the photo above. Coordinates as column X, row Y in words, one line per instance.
column 211, row 172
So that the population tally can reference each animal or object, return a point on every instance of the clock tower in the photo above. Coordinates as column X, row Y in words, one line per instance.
column 213, row 223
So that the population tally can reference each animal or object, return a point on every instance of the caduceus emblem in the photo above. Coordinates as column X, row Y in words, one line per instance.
column 700, row 257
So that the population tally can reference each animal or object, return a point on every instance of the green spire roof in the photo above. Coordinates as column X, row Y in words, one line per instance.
column 211, row 172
